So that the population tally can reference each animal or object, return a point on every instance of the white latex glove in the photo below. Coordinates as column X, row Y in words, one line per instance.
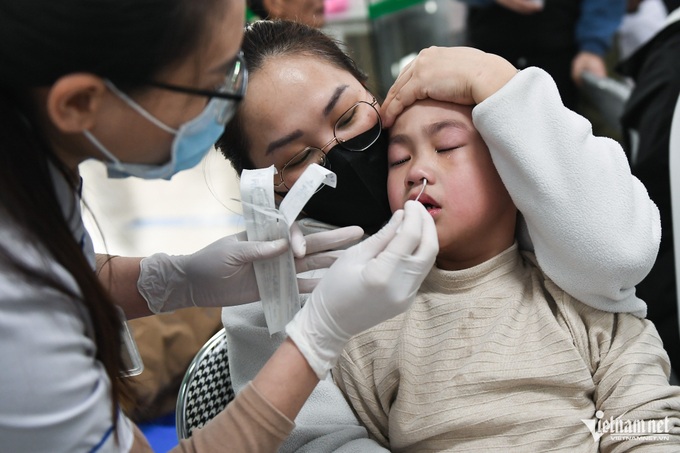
column 222, row 274
column 370, row 283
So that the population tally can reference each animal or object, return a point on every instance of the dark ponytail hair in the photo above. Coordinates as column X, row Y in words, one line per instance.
column 127, row 41
column 273, row 38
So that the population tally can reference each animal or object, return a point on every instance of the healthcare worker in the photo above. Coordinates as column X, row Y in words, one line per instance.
column 146, row 86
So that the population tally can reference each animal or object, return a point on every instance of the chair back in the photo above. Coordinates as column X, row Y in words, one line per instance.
column 206, row 388
column 609, row 97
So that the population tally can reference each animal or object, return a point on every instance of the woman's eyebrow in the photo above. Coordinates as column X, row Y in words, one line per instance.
column 332, row 102
column 283, row 141
column 334, row 99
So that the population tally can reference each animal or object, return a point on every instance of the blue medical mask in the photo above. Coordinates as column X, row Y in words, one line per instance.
column 192, row 141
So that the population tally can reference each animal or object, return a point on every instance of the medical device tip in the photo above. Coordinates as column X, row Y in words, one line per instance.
column 423, row 189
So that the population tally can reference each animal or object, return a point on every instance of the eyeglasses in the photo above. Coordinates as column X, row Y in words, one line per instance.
column 227, row 95
column 356, row 130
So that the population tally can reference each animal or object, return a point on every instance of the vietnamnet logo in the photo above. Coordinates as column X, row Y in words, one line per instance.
column 627, row 429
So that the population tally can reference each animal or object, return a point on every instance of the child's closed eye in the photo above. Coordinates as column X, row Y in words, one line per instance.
column 447, row 149
column 398, row 162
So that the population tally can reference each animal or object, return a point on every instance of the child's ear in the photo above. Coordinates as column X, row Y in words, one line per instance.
column 74, row 100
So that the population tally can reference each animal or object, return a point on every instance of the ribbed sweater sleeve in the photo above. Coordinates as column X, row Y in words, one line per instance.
column 630, row 372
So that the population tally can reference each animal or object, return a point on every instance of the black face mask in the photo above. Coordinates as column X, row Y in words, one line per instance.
column 360, row 197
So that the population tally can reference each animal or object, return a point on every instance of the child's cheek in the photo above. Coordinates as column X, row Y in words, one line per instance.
column 395, row 192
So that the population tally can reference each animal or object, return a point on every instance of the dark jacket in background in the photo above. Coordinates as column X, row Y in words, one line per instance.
column 646, row 123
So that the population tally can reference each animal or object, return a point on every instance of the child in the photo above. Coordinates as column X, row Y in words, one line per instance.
column 493, row 355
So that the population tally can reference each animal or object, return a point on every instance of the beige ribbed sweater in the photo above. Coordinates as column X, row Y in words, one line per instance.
column 498, row 358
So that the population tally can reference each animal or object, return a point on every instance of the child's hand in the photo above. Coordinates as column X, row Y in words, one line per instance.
column 462, row 75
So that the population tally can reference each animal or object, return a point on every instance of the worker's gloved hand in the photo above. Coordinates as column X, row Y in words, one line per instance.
column 222, row 273
column 371, row 282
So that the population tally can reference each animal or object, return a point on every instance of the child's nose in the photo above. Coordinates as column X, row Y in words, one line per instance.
column 419, row 171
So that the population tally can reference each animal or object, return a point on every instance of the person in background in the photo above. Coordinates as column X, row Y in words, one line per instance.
column 308, row 12
column 643, row 19
column 563, row 37
column 646, row 123
column 147, row 87
column 309, row 92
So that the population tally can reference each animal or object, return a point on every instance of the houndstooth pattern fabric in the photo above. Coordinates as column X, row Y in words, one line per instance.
column 210, row 390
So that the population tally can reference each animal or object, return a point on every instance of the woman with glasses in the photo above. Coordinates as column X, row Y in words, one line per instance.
column 146, row 87
column 581, row 214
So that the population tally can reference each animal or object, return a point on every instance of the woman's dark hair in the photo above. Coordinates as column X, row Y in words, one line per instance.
column 267, row 39
column 126, row 41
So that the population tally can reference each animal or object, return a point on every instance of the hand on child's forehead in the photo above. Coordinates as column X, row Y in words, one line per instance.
column 438, row 113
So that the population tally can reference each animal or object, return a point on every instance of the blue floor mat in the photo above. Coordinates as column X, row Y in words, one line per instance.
column 161, row 433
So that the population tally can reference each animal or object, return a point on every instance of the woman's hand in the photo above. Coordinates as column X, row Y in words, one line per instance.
column 462, row 75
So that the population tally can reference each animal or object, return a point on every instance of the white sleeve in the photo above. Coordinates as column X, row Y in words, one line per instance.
column 594, row 229
column 56, row 396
